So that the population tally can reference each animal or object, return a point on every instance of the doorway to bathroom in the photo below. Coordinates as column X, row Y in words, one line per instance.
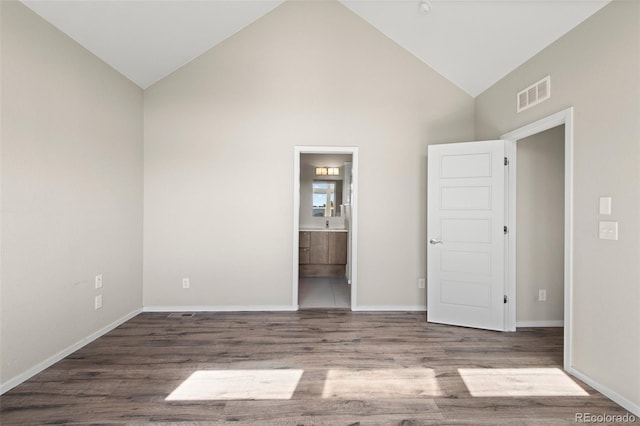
column 325, row 227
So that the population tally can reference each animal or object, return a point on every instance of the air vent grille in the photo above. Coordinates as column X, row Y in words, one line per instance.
column 534, row 94
column 181, row 315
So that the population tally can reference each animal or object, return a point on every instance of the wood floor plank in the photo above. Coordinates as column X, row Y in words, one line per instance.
column 274, row 410
column 360, row 368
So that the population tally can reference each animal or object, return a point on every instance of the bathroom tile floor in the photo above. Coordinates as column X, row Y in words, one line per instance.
column 321, row 292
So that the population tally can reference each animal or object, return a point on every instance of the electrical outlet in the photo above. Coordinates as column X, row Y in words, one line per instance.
column 542, row 295
column 186, row 283
column 421, row 283
column 98, row 302
column 608, row 230
column 99, row 281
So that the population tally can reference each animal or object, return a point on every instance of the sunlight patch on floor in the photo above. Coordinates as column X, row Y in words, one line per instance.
column 519, row 382
column 381, row 383
column 237, row 384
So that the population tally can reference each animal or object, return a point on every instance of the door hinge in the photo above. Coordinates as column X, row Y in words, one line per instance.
column 506, row 161
column 505, row 298
column 506, row 230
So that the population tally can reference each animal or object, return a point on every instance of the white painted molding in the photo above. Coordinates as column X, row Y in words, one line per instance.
column 297, row 151
column 189, row 308
column 15, row 381
column 278, row 308
column 606, row 391
column 553, row 120
column 562, row 117
column 389, row 308
column 511, row 150
column 558, row 323
column 296, row 225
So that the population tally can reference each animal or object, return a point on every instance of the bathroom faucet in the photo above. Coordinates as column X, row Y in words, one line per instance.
column 326, row 224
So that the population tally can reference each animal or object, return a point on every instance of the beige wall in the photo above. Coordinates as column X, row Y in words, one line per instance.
column 219, row 138
column 71, row 191
column 594, row 68
column 540, row 221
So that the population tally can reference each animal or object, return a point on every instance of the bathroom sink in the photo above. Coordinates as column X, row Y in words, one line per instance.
column 323, row 229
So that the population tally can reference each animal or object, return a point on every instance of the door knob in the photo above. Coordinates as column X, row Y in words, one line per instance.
column 434, row 241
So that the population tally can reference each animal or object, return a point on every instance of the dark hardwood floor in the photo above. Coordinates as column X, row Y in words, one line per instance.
column 353, row 368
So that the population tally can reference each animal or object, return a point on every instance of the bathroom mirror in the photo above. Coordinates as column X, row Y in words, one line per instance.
column 327, row 198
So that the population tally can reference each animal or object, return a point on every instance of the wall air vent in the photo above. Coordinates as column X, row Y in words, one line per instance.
column 534, row 94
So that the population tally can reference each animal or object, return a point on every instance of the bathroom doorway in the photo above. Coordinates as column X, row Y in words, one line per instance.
column 325, row 227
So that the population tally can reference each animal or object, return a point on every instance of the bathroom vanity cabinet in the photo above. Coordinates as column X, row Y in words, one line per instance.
column 322, row 253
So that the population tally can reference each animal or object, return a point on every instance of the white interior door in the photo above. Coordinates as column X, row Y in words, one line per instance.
column 466, row 219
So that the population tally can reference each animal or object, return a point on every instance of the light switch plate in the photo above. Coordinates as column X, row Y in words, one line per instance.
column 608, row 230
column 99, row 281
column 605, row 205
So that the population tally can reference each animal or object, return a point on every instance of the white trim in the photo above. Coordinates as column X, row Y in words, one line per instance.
column 563, row 117
column 296, row 225
column 558, row 323
column 549, row 122
column 391, row 308
column 230, row 308
column 297, row 151
column 606, row 391
column 510, row 149
column 20, row 378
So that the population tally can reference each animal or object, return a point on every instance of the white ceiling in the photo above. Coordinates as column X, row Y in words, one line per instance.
column 473, row 43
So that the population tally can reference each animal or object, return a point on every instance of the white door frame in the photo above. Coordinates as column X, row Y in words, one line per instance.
column 298, row 150
column 563, row 117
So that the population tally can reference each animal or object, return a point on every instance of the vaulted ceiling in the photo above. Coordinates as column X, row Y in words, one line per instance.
column 473, row 43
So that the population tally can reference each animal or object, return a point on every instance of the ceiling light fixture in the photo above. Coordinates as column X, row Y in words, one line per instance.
column 425, row 6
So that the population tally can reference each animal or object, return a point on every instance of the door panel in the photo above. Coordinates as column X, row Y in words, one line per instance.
column 475, row 295
column 466, row 216
column 466, row 262
column 466, row 230
column 470, row 165
column 337, row 248
column 465, row 198
column 319, row 248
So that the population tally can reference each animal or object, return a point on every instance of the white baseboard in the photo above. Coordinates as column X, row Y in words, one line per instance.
column 274, row 308
column 387, row 308
column 632, row 407
column 190, row 308
column 558, row 323
column 15, row 381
